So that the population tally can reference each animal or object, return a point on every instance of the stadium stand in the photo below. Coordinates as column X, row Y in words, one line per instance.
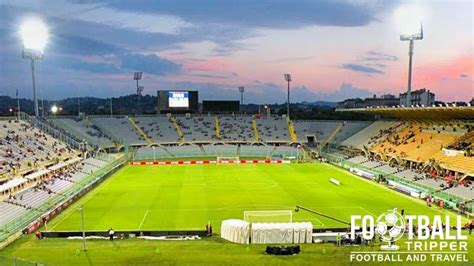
column 322, row 130
column 236, row 129
column 121, row 128
column 255, row 151
column 369, row 135
column 35, row 167
column 24, row 148
column 198, row 128
column 274, row 129
column 158, row 128
column 350, row 128
column 84, row 129
column 53, row 183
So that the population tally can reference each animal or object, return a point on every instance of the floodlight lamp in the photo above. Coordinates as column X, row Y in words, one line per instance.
column 137, row 75
column 241, row 89
column 287, row 77
column 34, row 35
column 54, row 109
column 408, row 18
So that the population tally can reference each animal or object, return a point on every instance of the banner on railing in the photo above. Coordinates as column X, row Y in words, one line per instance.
column 210, row 162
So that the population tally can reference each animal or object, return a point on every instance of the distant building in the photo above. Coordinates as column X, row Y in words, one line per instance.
column 472, row 102
column 418, row 97
column 384, row 100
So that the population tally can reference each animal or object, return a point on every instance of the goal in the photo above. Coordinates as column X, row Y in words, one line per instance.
column 228, row 159
column 273, row 216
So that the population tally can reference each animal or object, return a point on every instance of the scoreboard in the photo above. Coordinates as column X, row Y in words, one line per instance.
column 177, row 101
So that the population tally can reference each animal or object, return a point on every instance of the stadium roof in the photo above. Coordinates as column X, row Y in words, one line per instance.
column 419, row 113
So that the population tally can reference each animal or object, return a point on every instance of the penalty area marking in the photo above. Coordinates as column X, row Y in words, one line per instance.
column 143, row 219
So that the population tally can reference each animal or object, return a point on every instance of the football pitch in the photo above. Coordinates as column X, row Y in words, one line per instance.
column 187, row 197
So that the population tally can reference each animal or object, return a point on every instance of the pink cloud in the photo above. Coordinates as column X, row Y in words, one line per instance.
column 214, row 64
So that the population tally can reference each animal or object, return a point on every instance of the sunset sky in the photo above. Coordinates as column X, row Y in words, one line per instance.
column 334, row 49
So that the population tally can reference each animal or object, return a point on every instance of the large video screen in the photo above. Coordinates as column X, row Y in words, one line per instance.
column 178, row 99
column 220, row 106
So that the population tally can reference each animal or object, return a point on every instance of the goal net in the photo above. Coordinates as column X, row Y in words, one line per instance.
column 228, row 159
column 274, row 216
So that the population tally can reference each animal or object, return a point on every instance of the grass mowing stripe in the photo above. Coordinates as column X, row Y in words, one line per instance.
column 82, row 200
column 183, row 197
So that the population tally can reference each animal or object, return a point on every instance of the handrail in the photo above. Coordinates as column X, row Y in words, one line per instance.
column 441, row 194
column 218, row 128
column 291, row 130
column 255, row 130
column 139, row 130
column 23, row 221
column 178, row 129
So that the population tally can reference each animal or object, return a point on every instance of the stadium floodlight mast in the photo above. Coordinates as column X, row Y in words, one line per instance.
column 138, row 76
column 288, row 79
column 241, row 90
column 411, row 38
column 34, row 35
column 409, row 17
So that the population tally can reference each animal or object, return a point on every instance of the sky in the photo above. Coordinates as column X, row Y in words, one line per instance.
column 334, row 49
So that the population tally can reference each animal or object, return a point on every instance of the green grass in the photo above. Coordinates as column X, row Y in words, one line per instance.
column 187, row 197
column 208, row 251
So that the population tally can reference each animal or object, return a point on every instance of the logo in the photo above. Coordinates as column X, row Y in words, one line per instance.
column 390, row 226
column 425, row 238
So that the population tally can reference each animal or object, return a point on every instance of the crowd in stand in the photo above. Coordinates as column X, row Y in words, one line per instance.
column 25, row 147
column 382, row 133
column 274, row 128
column 236, row 129
column 198, row 126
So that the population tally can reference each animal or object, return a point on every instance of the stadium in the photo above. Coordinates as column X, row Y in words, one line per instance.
column 194, row 180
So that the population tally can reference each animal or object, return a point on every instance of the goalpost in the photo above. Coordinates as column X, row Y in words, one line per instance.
column 273, row 216
column 227, row 159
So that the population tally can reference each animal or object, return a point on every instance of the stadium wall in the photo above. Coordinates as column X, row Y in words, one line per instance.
column 30, row 224
column 210, row 162
column 400, row 184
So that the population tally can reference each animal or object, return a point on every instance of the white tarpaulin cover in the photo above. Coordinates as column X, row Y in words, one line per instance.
column 242, row 232
column 281, row 233
column 236, row 231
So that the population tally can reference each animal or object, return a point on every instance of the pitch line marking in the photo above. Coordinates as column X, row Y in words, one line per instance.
column 364, row 209
column 89, row 195
column 143, row 220
column 415, row 200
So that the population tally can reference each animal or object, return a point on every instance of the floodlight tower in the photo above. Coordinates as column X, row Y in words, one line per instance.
column 241, row 90
column 138, row 76
column 411, row 38
column 288, row 79
column 34, row 35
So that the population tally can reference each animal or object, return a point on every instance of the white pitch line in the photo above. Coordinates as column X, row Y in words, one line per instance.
column 315, row 219
column 417, row 201
column 89, row 195
column 364, row 209
column 143, row 220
